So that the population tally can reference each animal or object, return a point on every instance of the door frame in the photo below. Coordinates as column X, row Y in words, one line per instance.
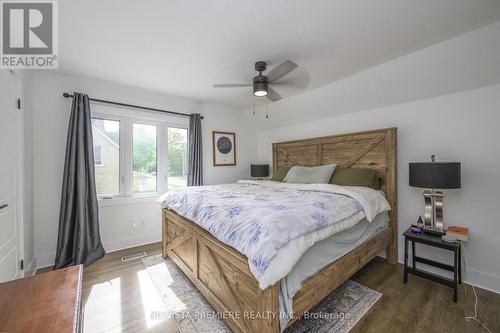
column 20, row 191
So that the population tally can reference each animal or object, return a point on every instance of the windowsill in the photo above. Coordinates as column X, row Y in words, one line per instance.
column 139, row 198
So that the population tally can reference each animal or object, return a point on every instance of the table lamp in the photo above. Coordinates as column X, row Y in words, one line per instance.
column 434, row 176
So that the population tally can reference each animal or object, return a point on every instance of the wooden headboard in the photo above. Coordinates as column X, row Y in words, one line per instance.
column 371, row 149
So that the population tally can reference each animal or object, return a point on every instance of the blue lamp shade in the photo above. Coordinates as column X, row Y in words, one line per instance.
column 259, row 170
column 435, row 175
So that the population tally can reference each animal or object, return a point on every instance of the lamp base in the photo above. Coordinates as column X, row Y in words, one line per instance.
column 433, row 214
column 433, row 232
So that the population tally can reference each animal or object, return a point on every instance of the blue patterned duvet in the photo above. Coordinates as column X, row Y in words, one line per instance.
column 259, row 218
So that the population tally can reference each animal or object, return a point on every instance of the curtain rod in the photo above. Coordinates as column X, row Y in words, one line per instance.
column 132, row 106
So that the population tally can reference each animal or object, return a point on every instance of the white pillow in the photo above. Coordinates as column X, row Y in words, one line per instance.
column 310, row 175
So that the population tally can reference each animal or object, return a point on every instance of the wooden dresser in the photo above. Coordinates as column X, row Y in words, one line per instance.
column 49, row 302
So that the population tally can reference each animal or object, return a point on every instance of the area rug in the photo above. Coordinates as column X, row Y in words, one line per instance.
column 338, row 312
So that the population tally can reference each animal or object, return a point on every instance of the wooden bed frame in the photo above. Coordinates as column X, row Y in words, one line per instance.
column 222, row 274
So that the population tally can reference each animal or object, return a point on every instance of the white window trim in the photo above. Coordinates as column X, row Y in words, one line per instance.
column 122, row 200
column 127, row 118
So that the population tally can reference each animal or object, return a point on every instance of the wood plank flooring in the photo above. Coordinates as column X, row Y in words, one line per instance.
column 421, row 305
column 120, row 297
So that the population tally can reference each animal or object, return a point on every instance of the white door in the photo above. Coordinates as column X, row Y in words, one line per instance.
column 10, row 249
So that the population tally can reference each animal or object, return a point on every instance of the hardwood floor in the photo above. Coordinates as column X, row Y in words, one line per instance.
column 120, row 297
column 421, row 305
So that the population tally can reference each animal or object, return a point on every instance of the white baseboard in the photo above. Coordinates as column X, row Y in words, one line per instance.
column 46, row 260
column 483, row 280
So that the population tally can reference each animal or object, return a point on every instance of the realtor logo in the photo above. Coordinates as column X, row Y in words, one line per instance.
column 29, row 34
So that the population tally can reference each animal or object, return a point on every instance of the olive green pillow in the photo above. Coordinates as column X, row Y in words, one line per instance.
column 280, row 174
column 356, row 177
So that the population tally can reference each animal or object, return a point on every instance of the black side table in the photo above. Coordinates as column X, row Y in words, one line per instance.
column 434, row 241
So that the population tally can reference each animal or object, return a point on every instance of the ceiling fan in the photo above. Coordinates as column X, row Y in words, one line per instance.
column 262, row 83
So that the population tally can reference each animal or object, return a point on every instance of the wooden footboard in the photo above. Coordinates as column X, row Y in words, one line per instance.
column 223, row 276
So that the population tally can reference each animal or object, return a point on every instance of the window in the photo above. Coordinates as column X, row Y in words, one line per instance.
column 144, row 158
column 106, row 137
column 177, row 157
column 138, row 154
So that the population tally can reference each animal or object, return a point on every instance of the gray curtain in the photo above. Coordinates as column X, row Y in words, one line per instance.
column 79, row 241
column 195, row 154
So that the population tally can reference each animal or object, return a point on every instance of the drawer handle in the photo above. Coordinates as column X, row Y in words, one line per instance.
column 4, row 206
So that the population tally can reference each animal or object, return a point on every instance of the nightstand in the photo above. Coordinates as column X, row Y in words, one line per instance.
column 435, row 241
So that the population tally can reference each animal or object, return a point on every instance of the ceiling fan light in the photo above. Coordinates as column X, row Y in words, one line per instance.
column 260, row 93
column 260, row 89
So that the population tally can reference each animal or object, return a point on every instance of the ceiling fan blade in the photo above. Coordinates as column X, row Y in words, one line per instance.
column 281, row 70
column 273, row 94
column 231, row 85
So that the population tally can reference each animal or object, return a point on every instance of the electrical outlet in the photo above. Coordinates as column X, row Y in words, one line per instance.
column 139, row 223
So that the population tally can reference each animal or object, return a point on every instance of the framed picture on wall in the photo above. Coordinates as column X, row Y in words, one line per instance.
column 224, row 148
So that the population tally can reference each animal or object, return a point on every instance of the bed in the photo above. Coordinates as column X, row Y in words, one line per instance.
column 223, row 274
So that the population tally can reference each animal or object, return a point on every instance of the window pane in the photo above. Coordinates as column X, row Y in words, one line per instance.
column 144, row 158
column 106, row 135
column 177, row 157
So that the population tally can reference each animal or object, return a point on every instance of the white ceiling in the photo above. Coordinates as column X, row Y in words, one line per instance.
column 181, row 47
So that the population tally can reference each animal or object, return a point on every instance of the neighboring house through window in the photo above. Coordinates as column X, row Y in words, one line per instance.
column 106, row 135
column 97, row 155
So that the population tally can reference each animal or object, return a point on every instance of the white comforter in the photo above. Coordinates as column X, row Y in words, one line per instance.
column 272, row 223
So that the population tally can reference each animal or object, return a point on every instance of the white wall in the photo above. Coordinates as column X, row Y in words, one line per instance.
column 447, row 117
column 51, row 116
column 220, row 118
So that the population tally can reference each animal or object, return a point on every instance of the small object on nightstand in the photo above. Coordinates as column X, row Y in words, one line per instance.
column 449, row 239
column 460, row 233
column 433, row 232
column 415, row 229
column 420, row 222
